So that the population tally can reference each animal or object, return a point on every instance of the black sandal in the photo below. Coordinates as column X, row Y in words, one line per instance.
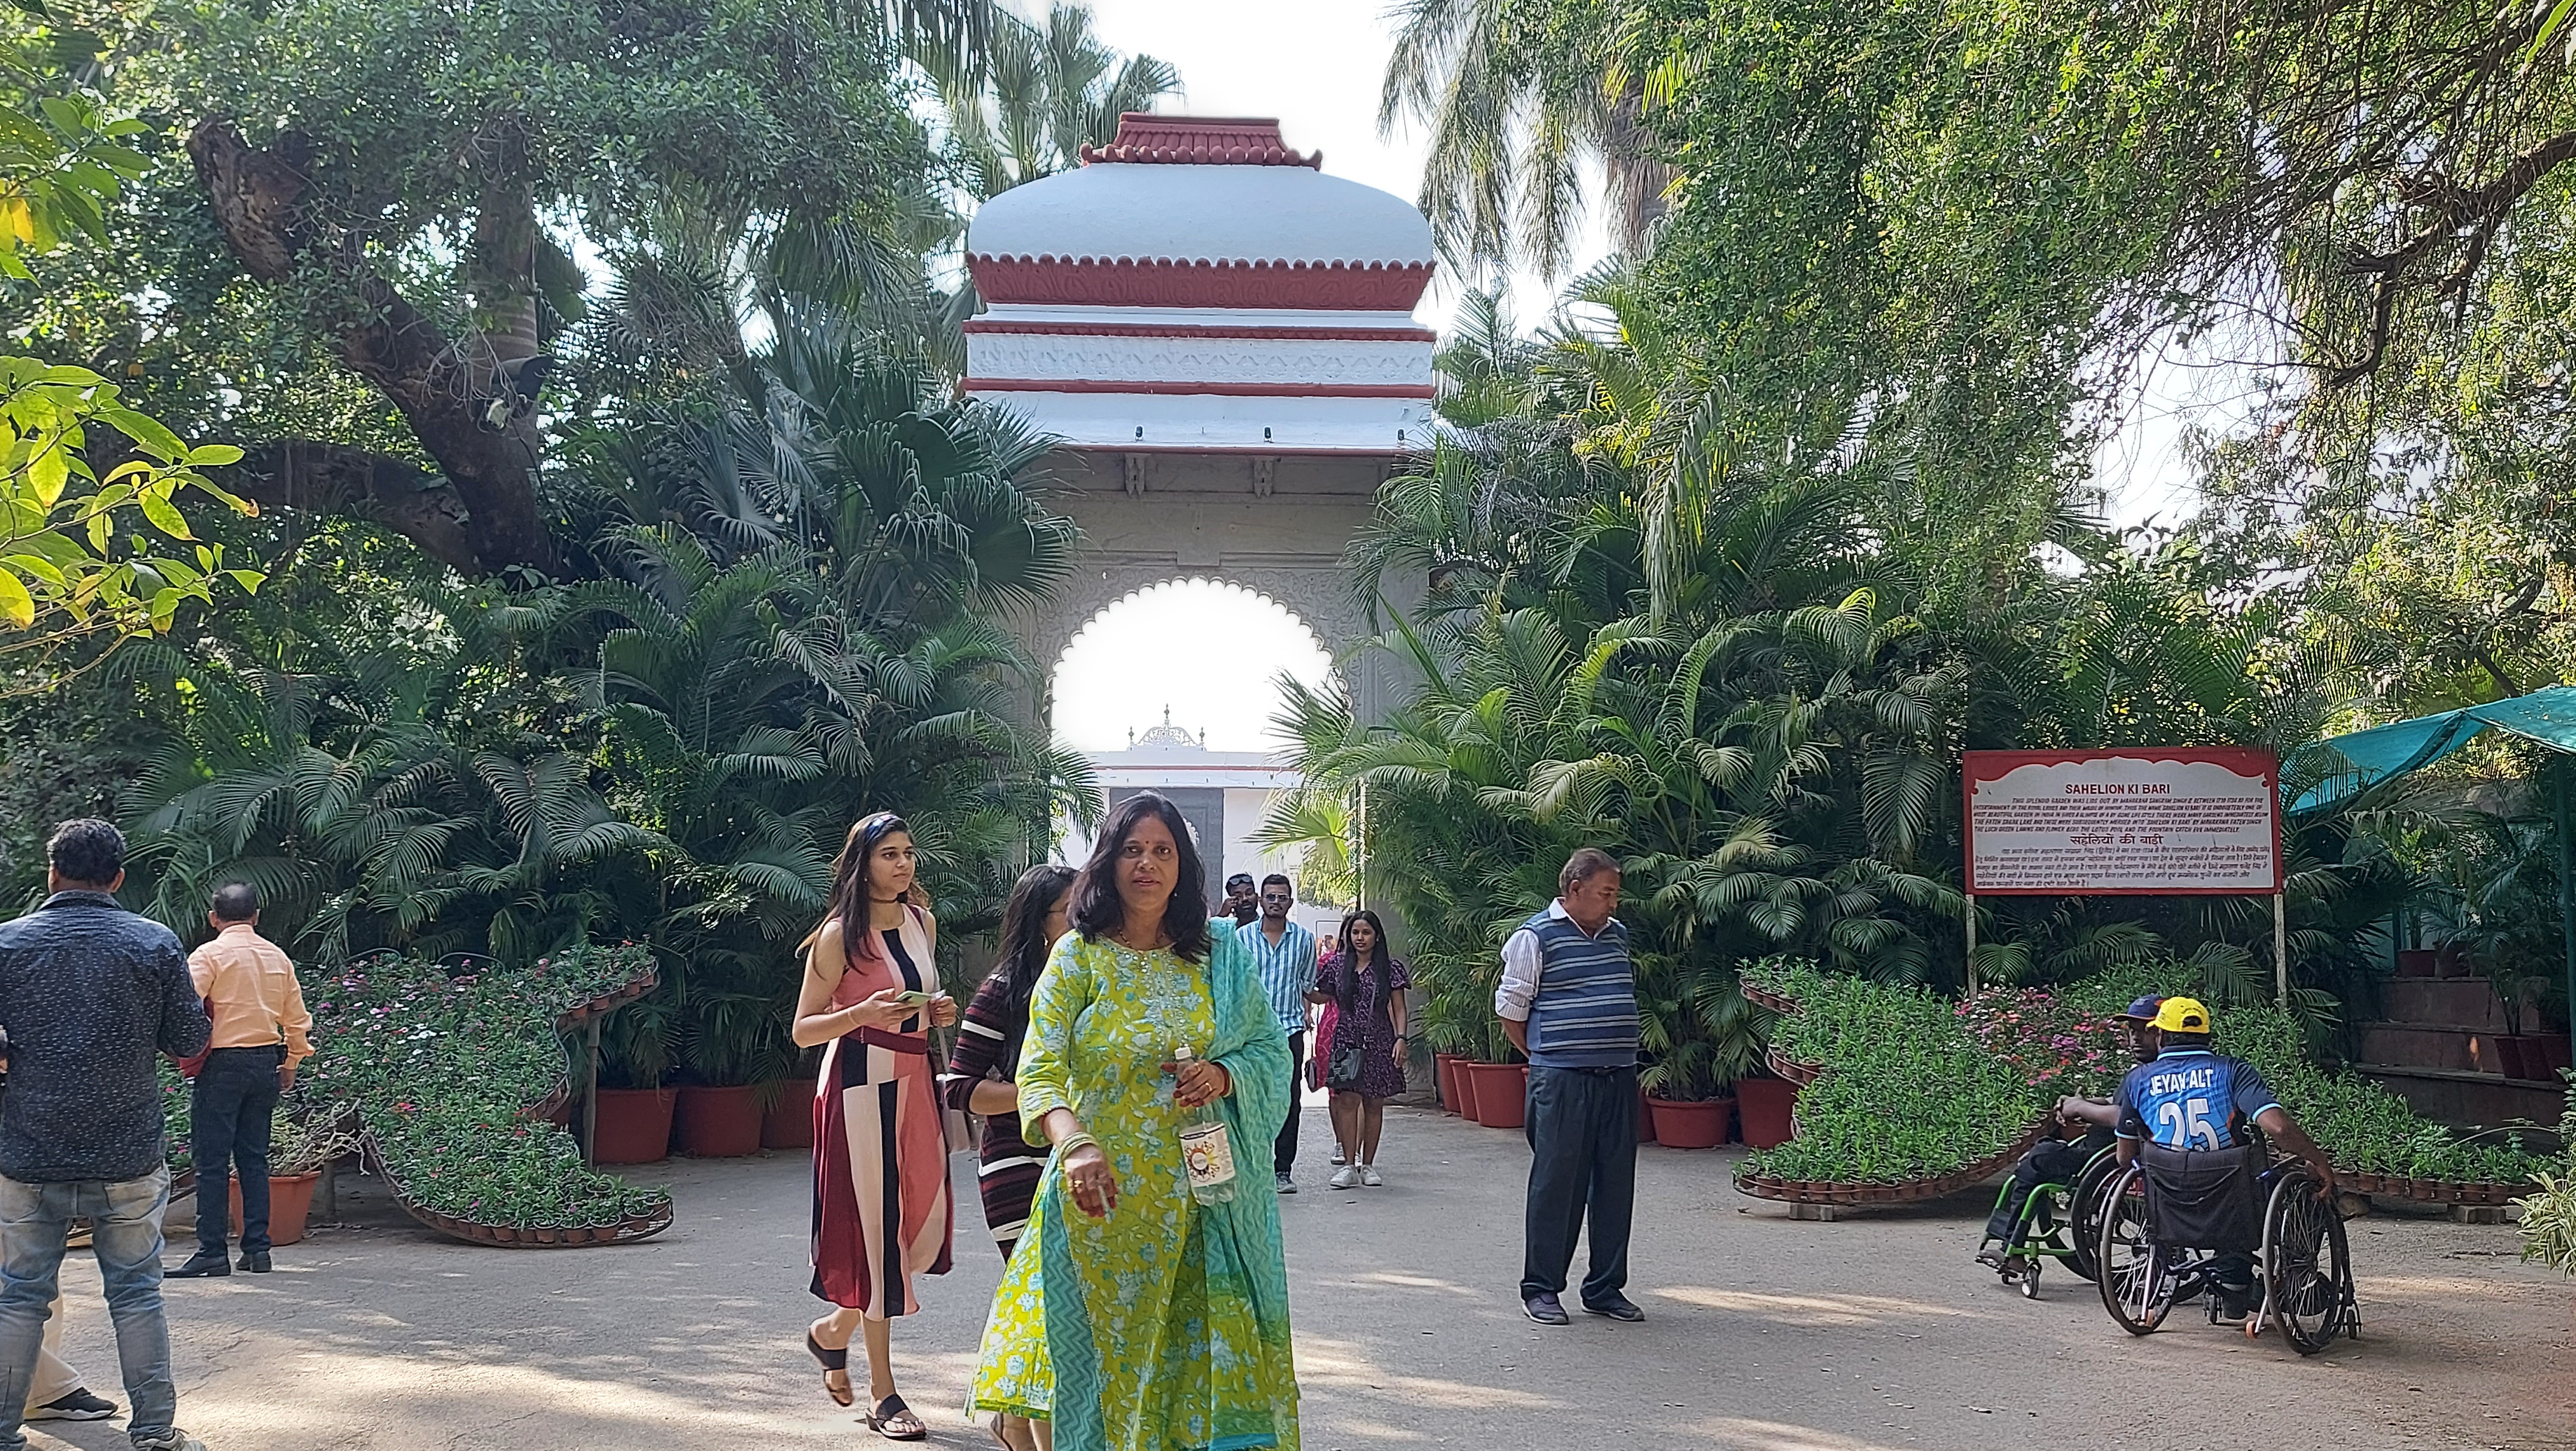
column 832, row 1360
column 885, row 1415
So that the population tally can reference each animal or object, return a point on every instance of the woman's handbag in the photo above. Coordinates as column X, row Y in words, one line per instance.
column 961, row 1130
column 1349, row 1051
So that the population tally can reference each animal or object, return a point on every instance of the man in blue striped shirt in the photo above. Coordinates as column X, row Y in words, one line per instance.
column 1568, row 1000
column 1284, row 955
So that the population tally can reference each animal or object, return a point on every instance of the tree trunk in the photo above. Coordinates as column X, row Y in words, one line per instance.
column 442, row 389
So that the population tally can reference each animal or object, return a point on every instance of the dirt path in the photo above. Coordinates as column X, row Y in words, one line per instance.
column 1764, row 1333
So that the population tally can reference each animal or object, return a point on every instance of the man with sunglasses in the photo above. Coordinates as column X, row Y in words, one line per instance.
column 1284, row 955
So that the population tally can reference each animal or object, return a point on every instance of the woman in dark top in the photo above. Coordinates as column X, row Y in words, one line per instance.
column 1365, row 986
column 982, row 1066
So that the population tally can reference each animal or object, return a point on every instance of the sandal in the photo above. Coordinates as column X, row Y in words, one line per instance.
column 832, row 1360
column 895, row 1421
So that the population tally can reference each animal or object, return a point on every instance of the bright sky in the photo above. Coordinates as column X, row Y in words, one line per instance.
column 1211, row 651
column 1318, row 66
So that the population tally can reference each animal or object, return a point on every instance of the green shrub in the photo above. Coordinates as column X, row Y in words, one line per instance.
column 1884, row 1046
column 442, row 1074
column 1917, row 1088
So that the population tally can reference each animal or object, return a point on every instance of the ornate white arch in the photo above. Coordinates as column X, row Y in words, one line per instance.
column 1318, row 598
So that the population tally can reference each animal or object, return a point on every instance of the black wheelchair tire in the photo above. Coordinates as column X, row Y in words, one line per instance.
column 2307, row 1264
column 2084, row 1214
column 2123, row 1259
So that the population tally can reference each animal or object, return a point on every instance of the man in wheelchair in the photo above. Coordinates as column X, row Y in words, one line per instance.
column 2057, row 1162
column 2196, row 1122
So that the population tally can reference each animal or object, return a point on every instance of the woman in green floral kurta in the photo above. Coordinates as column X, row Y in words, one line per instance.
column 1133, row 1317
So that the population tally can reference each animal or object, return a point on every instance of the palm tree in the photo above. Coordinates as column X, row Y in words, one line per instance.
column 1517, row 99
column 1041, row 96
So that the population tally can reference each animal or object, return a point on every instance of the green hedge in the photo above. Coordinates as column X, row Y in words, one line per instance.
column 1907, row 1092
column 1916, row 1087
column 442, row 1073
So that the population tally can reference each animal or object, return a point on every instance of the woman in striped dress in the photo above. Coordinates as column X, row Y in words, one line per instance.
column 881, row 1206
column 986, row 1061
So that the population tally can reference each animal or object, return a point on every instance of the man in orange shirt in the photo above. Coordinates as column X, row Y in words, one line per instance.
column 261, row 1031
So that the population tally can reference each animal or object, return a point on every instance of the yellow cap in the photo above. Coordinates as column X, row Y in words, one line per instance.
column 2182, row 1015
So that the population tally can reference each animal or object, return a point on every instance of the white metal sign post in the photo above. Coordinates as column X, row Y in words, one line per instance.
column 2137, row 821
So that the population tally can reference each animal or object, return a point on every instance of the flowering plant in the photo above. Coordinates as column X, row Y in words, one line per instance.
column 2056, row 1044
column 449, row 1077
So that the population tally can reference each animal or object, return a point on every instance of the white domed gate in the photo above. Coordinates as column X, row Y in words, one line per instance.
column 1223, row 336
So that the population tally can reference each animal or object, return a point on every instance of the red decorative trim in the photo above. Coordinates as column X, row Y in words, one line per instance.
column 1213, row 330
column 1198, row 141
column 1173, row 282
column 1228, row 390
column 1265, row 450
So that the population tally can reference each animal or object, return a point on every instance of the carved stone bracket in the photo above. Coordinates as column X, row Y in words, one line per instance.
column 1265, row 475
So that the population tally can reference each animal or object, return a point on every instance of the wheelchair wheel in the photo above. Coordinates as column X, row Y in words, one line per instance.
column 2137, row 1284
column 2307, row 1265
column 2084, row 1215
column 2028, row 1282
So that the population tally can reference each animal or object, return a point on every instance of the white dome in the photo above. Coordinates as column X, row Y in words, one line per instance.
column 1111, row 212
column 1191, row 211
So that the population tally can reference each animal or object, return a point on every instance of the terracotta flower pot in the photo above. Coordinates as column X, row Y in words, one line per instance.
column 1700, row 1125
column 290, row 1204
column 1645, row 1118
column 1502, row 1094
column 1762, row 1107
column 634, row 1125
column 2415, row 962
column 1462, row 1071
column 718, row 1123
column 1444, row 1072
column 789, row 1123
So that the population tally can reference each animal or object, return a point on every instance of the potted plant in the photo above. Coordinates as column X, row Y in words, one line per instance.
column 633, row 1117
column 787, row 1104
column 735, row 1040
column 1697, row 1031
column 1762, row 1108
column 301, row 1146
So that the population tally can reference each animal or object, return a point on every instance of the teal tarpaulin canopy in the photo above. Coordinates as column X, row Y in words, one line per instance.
column 2367, row 758
column 2345, row 766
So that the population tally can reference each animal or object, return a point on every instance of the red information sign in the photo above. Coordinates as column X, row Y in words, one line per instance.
column 2138, row 821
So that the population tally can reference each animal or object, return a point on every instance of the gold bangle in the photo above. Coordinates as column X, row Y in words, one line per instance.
column 1078, row 1139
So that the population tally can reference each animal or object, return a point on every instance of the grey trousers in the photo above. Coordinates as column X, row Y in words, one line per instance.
column 1582, row 1127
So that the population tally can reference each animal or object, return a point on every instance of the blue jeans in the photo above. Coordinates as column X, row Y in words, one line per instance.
column 230, row 1118
column 125, row 1220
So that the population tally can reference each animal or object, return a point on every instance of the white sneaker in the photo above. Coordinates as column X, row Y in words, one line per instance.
column 1369, row 1176
column 1337, row 1153
column 1346, row 1176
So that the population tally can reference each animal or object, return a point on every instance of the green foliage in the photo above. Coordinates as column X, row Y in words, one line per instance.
column 1915, row 1087
column 2361, row 1124
column 1907, row 1092
column 443, row 1073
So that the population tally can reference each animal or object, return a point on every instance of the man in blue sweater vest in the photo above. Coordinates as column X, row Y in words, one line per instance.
column 1568, row 1001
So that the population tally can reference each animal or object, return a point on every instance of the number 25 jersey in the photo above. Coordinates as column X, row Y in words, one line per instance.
column 2192, row 1099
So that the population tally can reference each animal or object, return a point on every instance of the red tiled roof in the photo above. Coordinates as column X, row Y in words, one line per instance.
column 1199, row 141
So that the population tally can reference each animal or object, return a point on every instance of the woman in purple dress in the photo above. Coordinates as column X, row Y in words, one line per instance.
column 1365, row 986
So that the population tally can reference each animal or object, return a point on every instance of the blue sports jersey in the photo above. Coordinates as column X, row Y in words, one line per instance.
column 2192, row 1099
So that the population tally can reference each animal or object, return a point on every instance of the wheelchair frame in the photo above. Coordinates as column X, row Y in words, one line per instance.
column 2304, row 1267
column 2072, row 1241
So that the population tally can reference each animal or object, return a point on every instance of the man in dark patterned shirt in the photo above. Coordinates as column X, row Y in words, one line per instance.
column 90, row 995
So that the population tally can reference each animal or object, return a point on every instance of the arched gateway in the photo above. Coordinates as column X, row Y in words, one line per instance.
column 1224, row 338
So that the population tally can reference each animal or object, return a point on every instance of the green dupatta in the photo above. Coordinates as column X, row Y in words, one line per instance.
column 1245, row 1258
